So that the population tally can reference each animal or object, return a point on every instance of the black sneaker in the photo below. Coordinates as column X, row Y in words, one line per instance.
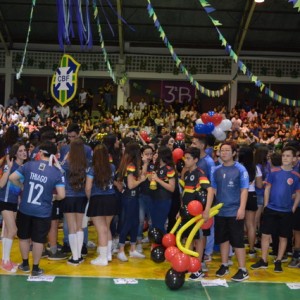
column 197, row 276
column 84, row 250
column 295, row 263
column 223, row 270
column 81, row 259
column 261, row 264
column 45, row 253
column 252, row 253
column 257, row 246
column 66, row 249
column 38, row 272
column 73, row 262
column 240, row 276
column 23, row 268
column 57, row 256
column 277, row 266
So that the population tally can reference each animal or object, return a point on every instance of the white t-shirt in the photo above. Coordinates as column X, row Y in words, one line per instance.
column 252, row 184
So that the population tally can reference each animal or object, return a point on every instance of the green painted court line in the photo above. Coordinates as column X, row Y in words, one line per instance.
column 14, row 287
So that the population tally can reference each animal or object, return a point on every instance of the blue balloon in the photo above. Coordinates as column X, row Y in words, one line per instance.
column 200, row 128
column 209, row 127
column 211, row 113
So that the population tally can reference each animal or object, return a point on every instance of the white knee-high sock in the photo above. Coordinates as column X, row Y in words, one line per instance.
column 109, row 248
column 73, row 245
column 3, row 246
column 79, row 235
column 6, row 249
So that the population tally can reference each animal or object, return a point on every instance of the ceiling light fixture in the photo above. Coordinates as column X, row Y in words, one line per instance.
column 259, row 1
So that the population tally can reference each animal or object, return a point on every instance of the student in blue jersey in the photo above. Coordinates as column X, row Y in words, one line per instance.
column 103, row 203
column 130, row 177
column 196, row 186
column 230, row 181
column 73, row 206
column 281, row 184
column 161, row 199
column 73, row 132
column 9, row 195
column 38, row 179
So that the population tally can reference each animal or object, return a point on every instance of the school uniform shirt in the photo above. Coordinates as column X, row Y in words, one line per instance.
column 65, row 149
column 164, row 173
column 70, row 192
column 39, row 181
column 10, row 192
column 96, row 190
column 228, row 181
column 206, row 164
column 283, row 185
column 131, row 169
column 194, row 184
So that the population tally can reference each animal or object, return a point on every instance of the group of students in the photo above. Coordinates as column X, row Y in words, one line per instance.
column 103, row 183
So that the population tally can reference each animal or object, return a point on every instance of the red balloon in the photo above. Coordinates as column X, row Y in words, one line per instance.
column 169, row 240
column 217, row 119
column 179, row 136
column 148, row 140
column 170, row 252
column 206, row 118
column 208, row 224
column 177, row 154
column 180, row 262
column 195, row 208
column 195, row 264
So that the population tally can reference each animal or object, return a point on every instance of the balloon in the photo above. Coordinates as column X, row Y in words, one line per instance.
column 209, row 127
column 148, row 140
column 208, row 224
column 199, row 121
column 180, row 262
column 171, row 252
column 205, row 118
column 200, row 128
column 155, row 235
column 184, row 213
column 217, row 119
column 195, row 264
column 177, row 154
column 174, row 280
column 211, row 113
column 222, row 137
column 158, row 254
column 169, row 240
column 195, row 208
column 180, row 136
column 225, row 125
column 219, row 133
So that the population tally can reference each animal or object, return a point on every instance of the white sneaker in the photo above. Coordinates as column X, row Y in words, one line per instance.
column 204, row 267
column 136, row 254
column 145, row 240
column 139, row 248
column 99, row 261
column 122, row 257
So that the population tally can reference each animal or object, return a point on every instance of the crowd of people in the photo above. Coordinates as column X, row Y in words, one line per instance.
column 117, row 168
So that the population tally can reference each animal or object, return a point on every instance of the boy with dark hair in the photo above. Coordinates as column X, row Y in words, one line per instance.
column 282, row 184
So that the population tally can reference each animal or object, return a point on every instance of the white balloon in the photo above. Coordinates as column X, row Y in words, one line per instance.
column 225, row 125
column 222, row 137
column 217, row 131
column 199, row 121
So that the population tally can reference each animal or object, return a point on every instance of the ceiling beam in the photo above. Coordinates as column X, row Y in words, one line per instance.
column 120, row 29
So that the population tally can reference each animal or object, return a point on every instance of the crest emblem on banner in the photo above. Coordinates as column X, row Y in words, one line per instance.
column 64, row 80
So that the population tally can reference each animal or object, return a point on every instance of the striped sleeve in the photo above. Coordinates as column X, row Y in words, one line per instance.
column 131, row 169
column 170, row 172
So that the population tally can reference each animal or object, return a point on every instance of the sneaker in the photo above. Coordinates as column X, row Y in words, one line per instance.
column 257, row 246
column 136, row 254
column 122, row 256
column 295, row 263
column 99, row 261
column 207, row 258
column 240, row 276
column 285, row 258
column 81, row 260
column 204, row 266
column 252, row 253
column 45, row 253
column 261, row 264
column 223, row 270
column 277, row 266
column 9, row 267
column 230, row 262
column 91, row 245
column 73, row 262
column 66, row 249
column 84, row 250
column 57, row 256
column 197, row 276
column 23, row 268
column 145, row 240
column 38, row 272
column 139, row 248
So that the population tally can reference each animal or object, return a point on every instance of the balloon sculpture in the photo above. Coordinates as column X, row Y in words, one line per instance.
column 213, row 123
column 180, row 256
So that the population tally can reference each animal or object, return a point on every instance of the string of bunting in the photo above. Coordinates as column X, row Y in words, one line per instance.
column 296, row 4
column 18, row 75
column 178, row 62
column 284, row 100
column 123, row 79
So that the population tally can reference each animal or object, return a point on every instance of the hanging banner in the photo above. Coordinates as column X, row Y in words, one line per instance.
column 64, row 80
